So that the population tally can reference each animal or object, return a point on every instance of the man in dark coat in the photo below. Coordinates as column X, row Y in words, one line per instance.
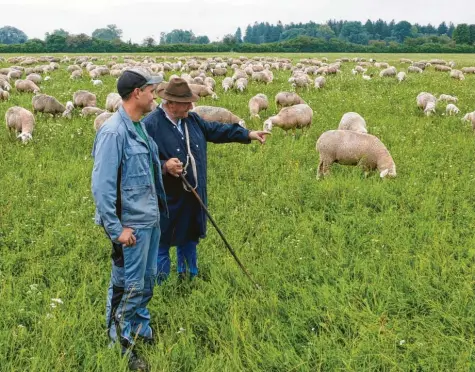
column 182, row 138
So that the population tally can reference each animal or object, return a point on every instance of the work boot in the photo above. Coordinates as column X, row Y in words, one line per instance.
column 136, row 363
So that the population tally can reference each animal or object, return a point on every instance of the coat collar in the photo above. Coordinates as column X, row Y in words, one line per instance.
column 130, row 125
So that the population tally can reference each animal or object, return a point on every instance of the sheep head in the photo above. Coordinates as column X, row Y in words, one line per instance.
column 25, row 137
column 268, row 125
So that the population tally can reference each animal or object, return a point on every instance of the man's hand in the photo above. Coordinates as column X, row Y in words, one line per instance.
column 259, row 135
column 127, row 237
column 174, row 166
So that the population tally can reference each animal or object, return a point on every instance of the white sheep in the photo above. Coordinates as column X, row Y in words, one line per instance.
column 353, row 148
column 26, row 86
column 83, row 98
column 210, row 82
column 4, row 95
column 265, row 76
column 96, row 82
column 35, row 78
column 285, row 99
column 470, row 117
column 76, row 74
column 219, row 114
column 319, row 82
column 101, row 119
column 427, row 102
column 113, row 102
column 49, row 105
column 451, row 109
column 202, row 91
column 457, row 74
column 300, row 81
column 258, row 103
column 20, row 120
column 227, row 83
column 366, row 77
column 401, row 76
column 241, row 84
column 293, row 117
column 353, row 121
column 448, row 98
column 89, row 111
column 390, row 71
column 414, row 69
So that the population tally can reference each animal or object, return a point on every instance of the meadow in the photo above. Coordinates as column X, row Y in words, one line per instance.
column 358, row 273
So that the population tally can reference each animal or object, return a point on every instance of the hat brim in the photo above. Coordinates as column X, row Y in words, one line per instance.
column 161, row 92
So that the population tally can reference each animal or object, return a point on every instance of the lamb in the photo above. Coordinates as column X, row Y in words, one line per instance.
column 265, row 76
column 319, row 82
column 448, row 98
column 227, row 83
column 427, row 102
column 83, row 98
column 202, row 91
column 353, row 121
column 26, row 86
column 353, row 148
column 390, row 71
column 293, row 117
column 50, row 105
column 457, row 74
column 89, row 111
column 451, row 109
column 258, row 103
column 35, row 78
column 4, row 95
column 241, row 84
column 220, row 114
column 285, row 99
column 113, row 102
column 414, row 69
column 101, row 119
column 401, row 76
column 22, row 121
column 96, row 82
column 470, row 117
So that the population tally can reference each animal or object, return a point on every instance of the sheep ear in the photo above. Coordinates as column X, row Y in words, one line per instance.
column 384, row 173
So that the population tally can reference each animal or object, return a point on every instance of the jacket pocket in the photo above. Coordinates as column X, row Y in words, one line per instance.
column 136, row 168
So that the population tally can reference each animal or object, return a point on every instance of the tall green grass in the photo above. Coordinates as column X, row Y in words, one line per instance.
column 358, row 273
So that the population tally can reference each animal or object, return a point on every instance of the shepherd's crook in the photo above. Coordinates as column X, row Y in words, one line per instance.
column 218, row 230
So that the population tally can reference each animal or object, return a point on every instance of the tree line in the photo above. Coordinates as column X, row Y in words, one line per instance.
column 333, row 36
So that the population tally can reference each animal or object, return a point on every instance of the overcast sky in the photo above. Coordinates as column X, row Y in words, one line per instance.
column 215, row 18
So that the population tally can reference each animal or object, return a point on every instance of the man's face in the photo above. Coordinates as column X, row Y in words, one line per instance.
column 180, row 109
column 145, row 97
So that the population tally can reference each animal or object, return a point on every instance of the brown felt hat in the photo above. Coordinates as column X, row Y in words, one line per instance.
column 177, row 90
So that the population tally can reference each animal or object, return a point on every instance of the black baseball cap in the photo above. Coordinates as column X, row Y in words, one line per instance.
column 135, row 78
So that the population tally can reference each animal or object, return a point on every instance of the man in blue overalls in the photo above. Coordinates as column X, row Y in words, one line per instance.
column 129, row 196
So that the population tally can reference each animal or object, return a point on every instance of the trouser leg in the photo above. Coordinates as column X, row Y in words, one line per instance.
column 163, row 263
column 188, row 251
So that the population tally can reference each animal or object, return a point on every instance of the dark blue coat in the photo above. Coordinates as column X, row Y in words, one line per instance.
column 187, row 220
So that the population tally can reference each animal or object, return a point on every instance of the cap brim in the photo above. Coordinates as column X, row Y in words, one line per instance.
column 154, row 80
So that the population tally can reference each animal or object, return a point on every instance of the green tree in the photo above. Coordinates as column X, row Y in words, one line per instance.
column 369, row 27
column 202, row 40
column 238, row 35
column 55, row 43
column 149, row 41
column 325, row 32
column 442, row 29
column 229, row 39
column 471, row 29
column 450, row 32
column 12, row 35
column 59, row 32
column 354, row 32
column 292, row 33
column 461, row 34
column 401, row 30
column 248, row 35
column 111, row 32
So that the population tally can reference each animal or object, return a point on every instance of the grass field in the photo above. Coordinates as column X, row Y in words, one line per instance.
column 357, row 273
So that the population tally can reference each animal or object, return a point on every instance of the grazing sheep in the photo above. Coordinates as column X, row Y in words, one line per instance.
column 35, row 78
column 285, row 99
column 113, row 102
column 202, row 90
column 301, row 81
column 457, row 74
column 468, row 70
column 238, row 74
column 367, row 77
column 14, row 74
column 258, row 103
column 4, row 95
column 219, row 71
column 4, row 83
column 427, row 102
column 48, row 105
column 390, row 71
column 227, row 83
column 293, row 117
column 320, row 82
column 448, row 98
column 101, row 119
column 220, row 114
column 353, row 121
column 241, row 84
column 451, row 109
column 353, row 148
column 76, row 74
column 89, row 111
column 401, row 76
column 470, row 117
column 26, row 86
column 265, row 76
column 83, row 98
column 96, row 82
column 210, row 82
column 22, row 121
column 73, row 68
column 414, row 69
column 442, row 68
